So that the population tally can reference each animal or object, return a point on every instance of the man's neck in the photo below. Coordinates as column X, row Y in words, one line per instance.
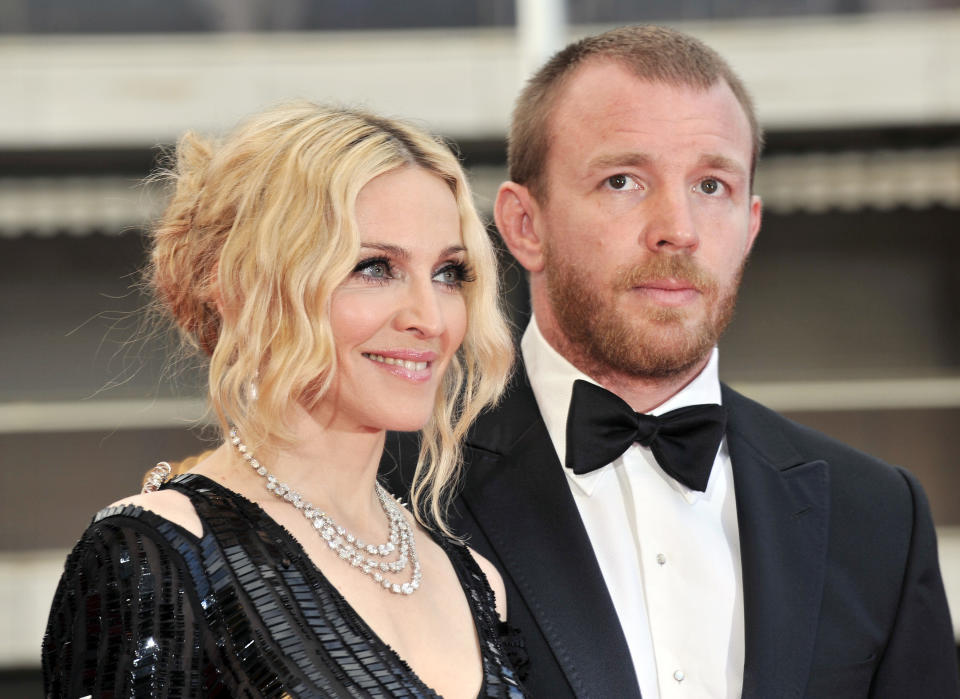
column 642, row 393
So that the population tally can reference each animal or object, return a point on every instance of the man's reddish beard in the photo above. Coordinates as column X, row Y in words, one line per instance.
column 653, row 344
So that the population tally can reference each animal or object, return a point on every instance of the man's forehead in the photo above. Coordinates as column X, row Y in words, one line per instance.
column 608, row 85
column 657, row 110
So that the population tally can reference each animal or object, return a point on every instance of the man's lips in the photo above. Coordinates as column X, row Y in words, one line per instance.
column 668, row 292
column 409, row 364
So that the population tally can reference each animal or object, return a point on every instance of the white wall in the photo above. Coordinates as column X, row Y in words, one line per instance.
column 835, row 71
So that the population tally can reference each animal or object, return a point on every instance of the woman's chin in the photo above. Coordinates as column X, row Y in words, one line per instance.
column 407, row 425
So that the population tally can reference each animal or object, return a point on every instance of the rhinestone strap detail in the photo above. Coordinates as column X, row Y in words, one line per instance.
column 156, row 477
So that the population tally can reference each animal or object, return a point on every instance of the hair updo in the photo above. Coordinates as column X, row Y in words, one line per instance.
column 184, row 253
column 260, row 230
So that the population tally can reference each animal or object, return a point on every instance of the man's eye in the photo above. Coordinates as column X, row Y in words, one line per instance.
column 621, row 182
column 710, row 186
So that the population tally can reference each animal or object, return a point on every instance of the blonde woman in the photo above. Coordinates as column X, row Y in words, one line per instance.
column 332, row 266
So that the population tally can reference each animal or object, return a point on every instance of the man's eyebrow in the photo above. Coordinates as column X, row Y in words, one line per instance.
column 607, row 160
column 715, row 161
column 709, row 160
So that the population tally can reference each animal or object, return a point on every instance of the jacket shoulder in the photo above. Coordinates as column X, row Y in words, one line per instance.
column 495, row 431
column 786, row 442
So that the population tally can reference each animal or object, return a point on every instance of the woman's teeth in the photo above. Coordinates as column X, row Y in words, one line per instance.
column 405, row 363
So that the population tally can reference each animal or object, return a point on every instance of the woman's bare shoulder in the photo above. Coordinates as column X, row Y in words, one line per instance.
column 496, row 583
column 169, row 504
column 174, row 505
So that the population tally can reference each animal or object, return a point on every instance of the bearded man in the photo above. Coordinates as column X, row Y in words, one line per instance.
column 658, row 533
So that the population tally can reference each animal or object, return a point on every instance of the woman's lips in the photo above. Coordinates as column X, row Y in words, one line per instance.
column 408, row 364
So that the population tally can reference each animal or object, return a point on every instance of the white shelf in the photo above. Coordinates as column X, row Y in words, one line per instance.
column 811, row 183
column 855, row 394
column 102, row 414
column 85, row 415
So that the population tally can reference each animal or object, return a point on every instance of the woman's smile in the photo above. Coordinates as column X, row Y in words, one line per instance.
column 408, row 364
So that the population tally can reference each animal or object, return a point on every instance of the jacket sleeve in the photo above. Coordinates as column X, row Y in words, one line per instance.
column 125, row 620
column 920, row 659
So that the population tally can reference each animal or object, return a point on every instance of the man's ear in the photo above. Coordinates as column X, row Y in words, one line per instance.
column 515, row 212
column 756, row 213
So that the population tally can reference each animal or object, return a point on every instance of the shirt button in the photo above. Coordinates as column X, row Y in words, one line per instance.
column 678, row 675
column 661, row 559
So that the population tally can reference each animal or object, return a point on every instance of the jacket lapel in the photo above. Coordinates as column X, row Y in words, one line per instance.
column 518, row 495
column 783, row 513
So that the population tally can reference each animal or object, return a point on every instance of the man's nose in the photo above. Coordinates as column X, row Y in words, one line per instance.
column 670, row 222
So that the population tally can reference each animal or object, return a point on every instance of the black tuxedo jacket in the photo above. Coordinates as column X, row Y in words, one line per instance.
column 841, row 583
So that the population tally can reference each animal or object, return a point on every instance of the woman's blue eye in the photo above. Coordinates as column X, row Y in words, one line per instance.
column 374, row 269
column 453, row 274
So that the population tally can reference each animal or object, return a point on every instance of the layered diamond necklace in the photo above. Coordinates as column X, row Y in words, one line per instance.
column 369, row 559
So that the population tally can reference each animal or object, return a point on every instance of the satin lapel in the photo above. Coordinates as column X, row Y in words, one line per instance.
column 783, row 511
column 520, row 499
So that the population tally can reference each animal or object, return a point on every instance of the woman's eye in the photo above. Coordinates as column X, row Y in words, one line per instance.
column 374, row 269
column 622, row 182
column 453, row 274
column 447, row 276
column 709, row 185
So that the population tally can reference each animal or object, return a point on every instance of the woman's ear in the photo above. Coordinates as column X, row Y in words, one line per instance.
column 515, row 213
column 215, row 296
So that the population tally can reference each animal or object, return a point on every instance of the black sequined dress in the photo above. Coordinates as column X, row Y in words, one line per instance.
column 146, row 609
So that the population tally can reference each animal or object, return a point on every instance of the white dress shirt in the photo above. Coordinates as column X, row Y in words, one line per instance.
column 670, row 556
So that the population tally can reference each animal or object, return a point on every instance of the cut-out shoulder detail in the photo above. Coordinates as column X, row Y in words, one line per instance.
column 496, row 583
column 169, row 504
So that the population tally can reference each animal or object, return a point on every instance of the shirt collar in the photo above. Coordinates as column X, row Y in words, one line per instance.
column 551, row 377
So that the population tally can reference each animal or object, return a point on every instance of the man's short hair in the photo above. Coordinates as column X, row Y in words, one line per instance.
column 655, row 54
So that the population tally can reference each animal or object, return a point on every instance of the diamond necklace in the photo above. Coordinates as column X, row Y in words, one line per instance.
column 364, row 557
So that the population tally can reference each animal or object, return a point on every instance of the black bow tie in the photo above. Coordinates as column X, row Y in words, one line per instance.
column 601, row 427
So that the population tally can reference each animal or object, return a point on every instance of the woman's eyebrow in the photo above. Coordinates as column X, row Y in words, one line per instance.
column 452, row 250
column 389, row 249
column 403, row 254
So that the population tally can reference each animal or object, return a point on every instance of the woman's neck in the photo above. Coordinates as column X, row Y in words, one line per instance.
column 333, row 468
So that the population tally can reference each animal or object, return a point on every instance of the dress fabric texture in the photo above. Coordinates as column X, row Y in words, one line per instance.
column 147, row 609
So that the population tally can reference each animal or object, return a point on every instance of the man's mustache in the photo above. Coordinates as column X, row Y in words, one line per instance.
column 679, row 267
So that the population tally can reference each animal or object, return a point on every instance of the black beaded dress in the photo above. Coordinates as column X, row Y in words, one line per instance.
column 147, row 609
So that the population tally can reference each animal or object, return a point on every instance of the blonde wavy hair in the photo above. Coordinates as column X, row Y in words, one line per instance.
column 262, row 225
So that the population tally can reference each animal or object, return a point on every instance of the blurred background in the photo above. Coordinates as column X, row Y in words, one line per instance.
column 848, row 319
